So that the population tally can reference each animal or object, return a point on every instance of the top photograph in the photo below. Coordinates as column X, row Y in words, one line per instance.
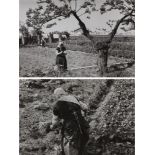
column 77, row 38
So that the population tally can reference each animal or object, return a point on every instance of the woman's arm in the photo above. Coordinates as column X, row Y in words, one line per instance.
column 55, row 121
column 58, row 53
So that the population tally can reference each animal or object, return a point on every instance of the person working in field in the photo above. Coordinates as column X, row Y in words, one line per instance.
column 61, row 60
column 68, row 110
column 43, row 42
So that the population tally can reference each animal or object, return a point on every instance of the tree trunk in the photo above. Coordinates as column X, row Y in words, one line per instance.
column 23, row 40
column 83, row 27
column 102, row 61
column 50, row 39
column 102, row 52
column 39, row 39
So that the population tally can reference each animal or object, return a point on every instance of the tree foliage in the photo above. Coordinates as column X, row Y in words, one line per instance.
column 127, row 10
column 23, row 29
column 51, row 10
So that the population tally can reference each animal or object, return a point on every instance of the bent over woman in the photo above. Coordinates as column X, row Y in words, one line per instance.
column 75, row 128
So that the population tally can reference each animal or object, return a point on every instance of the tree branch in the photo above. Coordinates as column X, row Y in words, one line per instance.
column 82, row 14
column 44, row 21
column 83, row 27
column 114, row 31
column 68, row 3
column 78, row 9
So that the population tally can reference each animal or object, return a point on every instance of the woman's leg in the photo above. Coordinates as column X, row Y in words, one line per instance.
column 83, row 142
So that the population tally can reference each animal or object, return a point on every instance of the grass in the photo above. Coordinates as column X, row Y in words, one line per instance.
column 120, row 47
column 39, row 62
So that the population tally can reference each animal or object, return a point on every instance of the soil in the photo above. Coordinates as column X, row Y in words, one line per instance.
column 111, row 115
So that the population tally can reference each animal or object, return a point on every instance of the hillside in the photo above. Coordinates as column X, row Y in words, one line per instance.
column 111, row 115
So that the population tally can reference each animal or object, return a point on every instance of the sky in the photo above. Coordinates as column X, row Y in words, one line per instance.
column 97, row 21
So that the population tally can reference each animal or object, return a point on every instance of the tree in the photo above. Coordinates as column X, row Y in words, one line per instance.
column 23, row 29
column 34, row 20
column 127, row 9
column 49, row 10
column 24, row 32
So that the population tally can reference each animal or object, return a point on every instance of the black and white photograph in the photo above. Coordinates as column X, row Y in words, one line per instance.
column 77, row 77
column 77, row 38
column 77, row 117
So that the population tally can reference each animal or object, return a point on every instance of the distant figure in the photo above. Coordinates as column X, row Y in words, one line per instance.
column 75, row 129
column 20, row 39
column 61, row 56
column 43, row 42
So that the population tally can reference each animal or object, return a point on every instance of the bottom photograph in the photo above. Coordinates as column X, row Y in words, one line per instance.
column 77, row 117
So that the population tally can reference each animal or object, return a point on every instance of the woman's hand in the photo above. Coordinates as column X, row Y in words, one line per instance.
column 58, row 53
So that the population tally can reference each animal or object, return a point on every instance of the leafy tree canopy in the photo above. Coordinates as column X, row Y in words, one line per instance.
column 49, row 10
column 23, row 29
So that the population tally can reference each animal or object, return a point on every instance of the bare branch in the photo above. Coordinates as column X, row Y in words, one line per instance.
column 68, row 3
column 83, row 27
column 82, row 14
column 79, row 9
column 114, row 31
column 44, row 21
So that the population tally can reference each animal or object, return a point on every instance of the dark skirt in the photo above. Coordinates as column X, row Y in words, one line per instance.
column 61, row 60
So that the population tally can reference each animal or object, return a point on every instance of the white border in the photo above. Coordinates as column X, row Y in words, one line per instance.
column 9, row 89
column 37, row 78
column 145, row 78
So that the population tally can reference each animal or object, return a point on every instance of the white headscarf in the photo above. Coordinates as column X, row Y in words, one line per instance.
column 60, row 43
column 59, row 91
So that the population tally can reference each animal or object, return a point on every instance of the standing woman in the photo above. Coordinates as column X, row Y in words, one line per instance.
column 61, row 56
